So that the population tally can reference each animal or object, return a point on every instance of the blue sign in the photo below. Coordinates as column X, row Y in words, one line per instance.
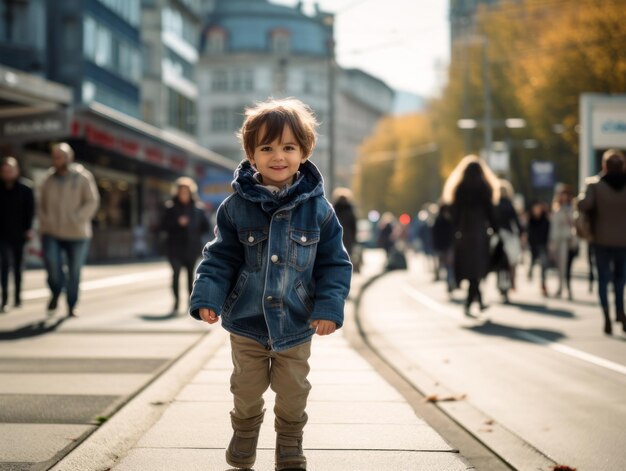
column 215, row 187
column 542, row 174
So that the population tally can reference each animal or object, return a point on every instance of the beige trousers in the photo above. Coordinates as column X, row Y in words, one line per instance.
column 255, row 369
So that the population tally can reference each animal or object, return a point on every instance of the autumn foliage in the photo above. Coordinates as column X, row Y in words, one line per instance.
column 538, row 57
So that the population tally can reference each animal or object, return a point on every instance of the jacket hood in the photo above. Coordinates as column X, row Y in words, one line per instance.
column 615, row 180
column 309, row 183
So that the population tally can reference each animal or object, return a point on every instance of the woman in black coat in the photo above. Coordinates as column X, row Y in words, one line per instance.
column 471, row 191
column 185, row 223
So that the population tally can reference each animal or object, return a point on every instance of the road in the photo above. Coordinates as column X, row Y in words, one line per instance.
column 536, row 377
column 60, row 377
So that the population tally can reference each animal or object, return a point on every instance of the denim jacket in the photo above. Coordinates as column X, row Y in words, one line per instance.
column 277, row 262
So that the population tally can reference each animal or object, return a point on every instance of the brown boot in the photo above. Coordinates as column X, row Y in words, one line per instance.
column 241, row 451
column 289, row 454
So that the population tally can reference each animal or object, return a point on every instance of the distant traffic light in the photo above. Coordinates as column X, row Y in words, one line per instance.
column 405, row 219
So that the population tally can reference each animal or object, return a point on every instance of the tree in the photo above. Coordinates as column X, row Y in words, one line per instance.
column 398, row 166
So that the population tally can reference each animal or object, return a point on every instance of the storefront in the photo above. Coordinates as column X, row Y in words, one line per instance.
column 135, row 165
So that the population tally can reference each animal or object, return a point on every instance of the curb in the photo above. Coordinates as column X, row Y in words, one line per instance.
column 112, row 440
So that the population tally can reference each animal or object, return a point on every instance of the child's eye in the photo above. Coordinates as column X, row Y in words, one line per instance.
column 266, row 149
column 290, row 148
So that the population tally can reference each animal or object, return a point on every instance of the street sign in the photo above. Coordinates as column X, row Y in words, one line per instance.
column 542, row 174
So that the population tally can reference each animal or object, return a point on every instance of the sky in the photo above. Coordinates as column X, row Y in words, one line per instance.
column 405, row 43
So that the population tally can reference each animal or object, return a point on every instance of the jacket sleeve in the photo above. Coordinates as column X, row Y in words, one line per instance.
column 42, row 206
column 29, row 208
column 90, row 199
column 332, row 272
column 586, row 200
column 221, row 260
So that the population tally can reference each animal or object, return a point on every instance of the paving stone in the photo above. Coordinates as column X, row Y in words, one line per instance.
column 142, row 459
column 27, row 443
column 80, row 365
column 51, row 409
column 73, row 384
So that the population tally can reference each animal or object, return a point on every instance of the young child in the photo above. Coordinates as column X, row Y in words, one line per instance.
column 276, row 274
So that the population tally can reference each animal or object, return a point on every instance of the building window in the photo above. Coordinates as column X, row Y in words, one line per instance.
column 174, row 22
column 177, row 65
column 181, row 112
column 216, row 41
column 226, row 119
column 219, row 119
column 219, row 81
column 94, row 91
column 280, row 41
column 235, row 80
column 128, row 10
column 111, row 52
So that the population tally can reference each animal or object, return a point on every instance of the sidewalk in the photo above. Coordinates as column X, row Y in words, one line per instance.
column 357, row 421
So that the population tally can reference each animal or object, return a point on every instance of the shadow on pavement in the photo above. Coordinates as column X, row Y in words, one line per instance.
column 535, row 308
column 165, row 317
column 35, row 329
column 516, row 333
column 542, row 309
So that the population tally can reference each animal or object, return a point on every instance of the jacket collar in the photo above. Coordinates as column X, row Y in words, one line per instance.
column 309, row 183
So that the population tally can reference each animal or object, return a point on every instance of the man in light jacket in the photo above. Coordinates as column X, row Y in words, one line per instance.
column 68, row 200
column 605, row 200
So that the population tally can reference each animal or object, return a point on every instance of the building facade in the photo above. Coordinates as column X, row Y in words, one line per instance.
column 83, row 84
column 254, row 49
column 170, row 31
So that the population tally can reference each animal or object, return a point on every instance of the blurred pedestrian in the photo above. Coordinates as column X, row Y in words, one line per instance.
column 344, row 209
column 471, row 190
column 386, row 232
column 277, row 273
column 185, row 225
column 538, row 231
column 563, row 243
column 510, row 231
column 68, row 200
column 443, row 244
column 17, row 207
column 425, row 221
column 604, row 199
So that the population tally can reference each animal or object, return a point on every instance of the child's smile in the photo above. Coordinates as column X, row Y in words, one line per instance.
column 279, row 160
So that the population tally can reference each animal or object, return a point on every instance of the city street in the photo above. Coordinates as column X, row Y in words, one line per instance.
column 535, row 381
column 534, row 377
column 60, row 378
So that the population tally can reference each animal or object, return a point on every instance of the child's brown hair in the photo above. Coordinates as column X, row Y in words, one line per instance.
column 271, row 116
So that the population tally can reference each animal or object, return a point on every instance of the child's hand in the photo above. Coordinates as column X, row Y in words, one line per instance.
column 208, row 315
column 323, row 327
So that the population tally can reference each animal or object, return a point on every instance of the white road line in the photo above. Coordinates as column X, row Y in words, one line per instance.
column 103, row 283
column 557, row 347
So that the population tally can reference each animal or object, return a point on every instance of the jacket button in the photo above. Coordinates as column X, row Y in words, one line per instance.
column 303, row 238
column 269, row 299
column 251, row 239
column 274, row 258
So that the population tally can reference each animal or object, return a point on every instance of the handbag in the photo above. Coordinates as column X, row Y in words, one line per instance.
column 583, row 225
column 512, row 245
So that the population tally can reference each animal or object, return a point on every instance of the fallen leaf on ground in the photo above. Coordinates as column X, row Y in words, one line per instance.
column 436, row 398
column 561, row 467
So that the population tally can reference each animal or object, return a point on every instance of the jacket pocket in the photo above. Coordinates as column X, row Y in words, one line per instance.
column 302, row 248
column 235, row 294
column 252, row 240
column 304, row 297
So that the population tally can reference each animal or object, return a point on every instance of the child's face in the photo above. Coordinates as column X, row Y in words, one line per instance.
column 278, row 161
